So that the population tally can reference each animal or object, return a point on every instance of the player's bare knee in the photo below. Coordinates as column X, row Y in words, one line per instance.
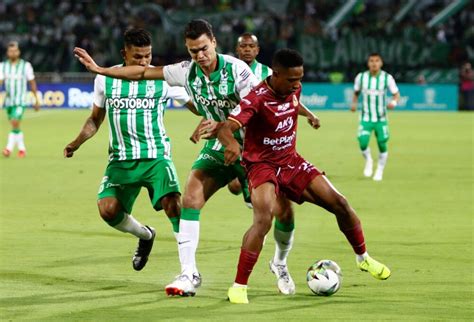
column 263, row 225
column 342, row 206
column 109, row 208
column 193, row 200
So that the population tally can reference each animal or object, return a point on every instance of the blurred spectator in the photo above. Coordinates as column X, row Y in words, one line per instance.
column 48, row 30
column 466, row 77
column 421, row 80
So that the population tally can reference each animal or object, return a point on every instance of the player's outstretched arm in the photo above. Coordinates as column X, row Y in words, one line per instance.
column 226, row 137
column 89, row 129
column 313, row 120
column 126, row 72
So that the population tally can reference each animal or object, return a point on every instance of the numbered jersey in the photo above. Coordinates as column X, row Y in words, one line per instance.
column 135, row 112
column 374, row 89
column 214, row 96
column 15, row 76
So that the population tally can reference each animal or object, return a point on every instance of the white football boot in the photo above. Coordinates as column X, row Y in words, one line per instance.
column 183, row 285
column 378, row 174
column 369, row 168
column 284, row 281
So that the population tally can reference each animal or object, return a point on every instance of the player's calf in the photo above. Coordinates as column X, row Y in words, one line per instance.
column 112, row 213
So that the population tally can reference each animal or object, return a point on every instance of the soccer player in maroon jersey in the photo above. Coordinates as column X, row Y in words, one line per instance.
column 277, row 173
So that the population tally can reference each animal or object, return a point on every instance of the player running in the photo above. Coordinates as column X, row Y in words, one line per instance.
column 276, row 172
column 216, row 84
column 139, row 149
column 373, row 84
column 16, row 73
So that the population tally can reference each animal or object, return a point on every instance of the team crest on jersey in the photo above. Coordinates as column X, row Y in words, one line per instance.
column 223, row 88
column 295, row 101
column 150, row 89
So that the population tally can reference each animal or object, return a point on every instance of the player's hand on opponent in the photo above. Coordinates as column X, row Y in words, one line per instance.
column 70, row 149
column 209, row 128
column 86, row 60
column 314, row 121
column 354, row 107
column 232, row 152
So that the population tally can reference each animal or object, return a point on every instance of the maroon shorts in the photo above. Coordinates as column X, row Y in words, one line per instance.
column 290, row 179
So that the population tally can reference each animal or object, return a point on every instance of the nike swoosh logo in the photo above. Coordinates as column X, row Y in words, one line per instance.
column 183, row 242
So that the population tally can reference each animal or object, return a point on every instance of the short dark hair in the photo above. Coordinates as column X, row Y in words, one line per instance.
column 287, row 58
column 247, row 35
column 137, row 37
column 197, row 27
column 375, row 54
column 13, row 43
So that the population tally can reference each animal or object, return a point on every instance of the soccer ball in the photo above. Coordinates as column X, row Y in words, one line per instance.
column 324, row 277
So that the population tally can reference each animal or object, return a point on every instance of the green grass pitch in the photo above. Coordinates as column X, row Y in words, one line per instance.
column 60, row 261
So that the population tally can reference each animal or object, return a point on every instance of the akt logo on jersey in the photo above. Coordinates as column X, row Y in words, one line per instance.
column 285, row 125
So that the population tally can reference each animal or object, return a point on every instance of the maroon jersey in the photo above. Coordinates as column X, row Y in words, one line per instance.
column 270, row 122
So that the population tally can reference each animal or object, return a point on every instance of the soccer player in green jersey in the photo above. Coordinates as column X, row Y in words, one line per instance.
column 247, row 50
column 139, row 149
column 15, row 73
column 373, row 84
column 216, row 84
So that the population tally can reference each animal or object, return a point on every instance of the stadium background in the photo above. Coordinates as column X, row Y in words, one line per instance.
column 60, row 262
column 422, row 42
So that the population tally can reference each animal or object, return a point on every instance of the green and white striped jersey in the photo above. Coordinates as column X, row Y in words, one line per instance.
column 15, row 76
column 217, row 95
column 135, row 112
column 373, row 88
column 260, row 71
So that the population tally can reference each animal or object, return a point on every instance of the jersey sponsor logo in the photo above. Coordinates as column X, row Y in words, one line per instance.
column 205, row 156
column 280, row 143
column 131, row 103
column 374, row 91
column 283, row 107
column 214, row 103
column 285, row 125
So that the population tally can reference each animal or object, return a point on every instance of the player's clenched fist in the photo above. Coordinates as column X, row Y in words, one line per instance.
column 69, row 150
column 231, row 153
